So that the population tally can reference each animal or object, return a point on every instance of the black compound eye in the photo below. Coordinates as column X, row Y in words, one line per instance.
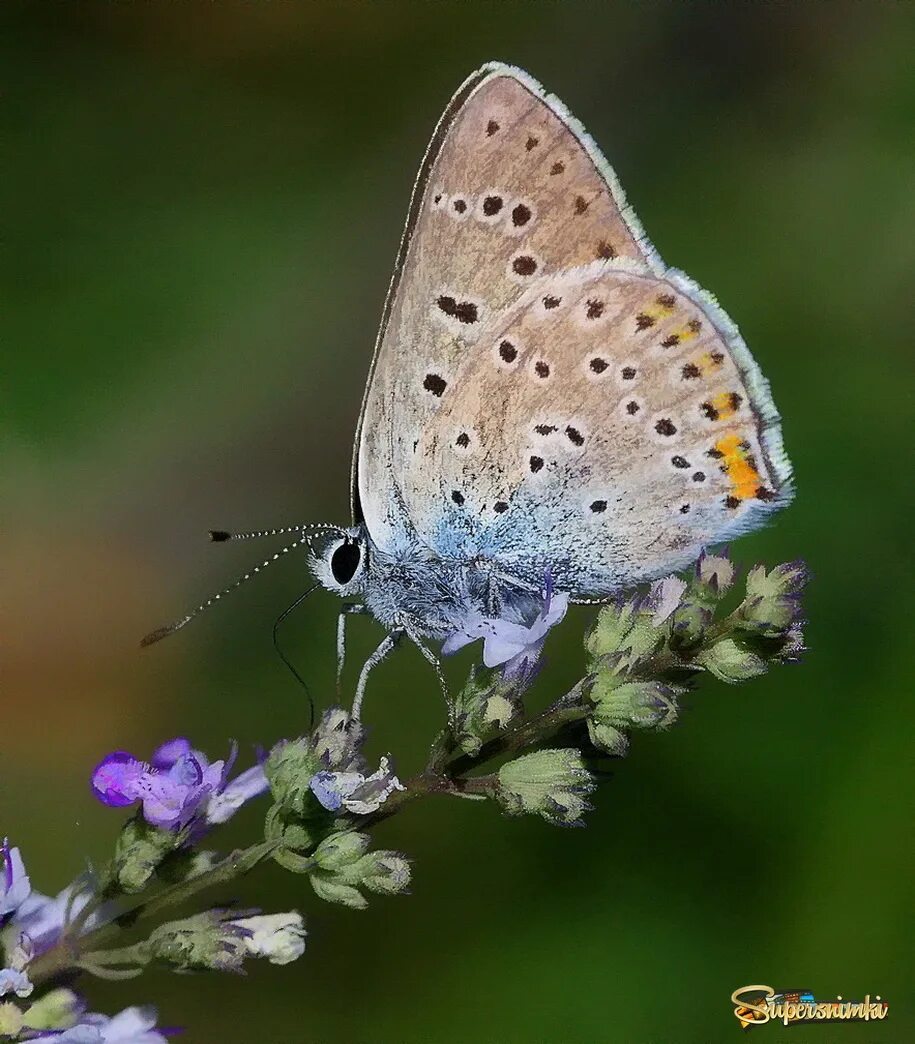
column 345, row 561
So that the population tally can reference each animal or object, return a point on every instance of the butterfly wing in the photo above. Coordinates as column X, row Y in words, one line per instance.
column 511, row 189
column 609, row 426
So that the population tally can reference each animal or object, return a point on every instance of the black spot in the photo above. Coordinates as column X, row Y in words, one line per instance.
column 457, row 497
column 708, row 411
column 552, row 302
column 463, row 311
column 715, row 454
column 698, row 476
column 520, row 215
column 581, row 204
column 598, row 506
column 684, row 510
column 545, row 429
column 541, row 369
column 643, row 321
column 435, row 384
column 345, row 561
column 523, row 265
column 679, row 462
column 694, row 325
column 632, row 408
column 491, row 128
column 531, row 143
column 670, row 342
column 536, row 464
column 415, row 444
column 762, row 493
column 598, row 365
column 500, row 507
column 665, row 427
column 557, row 168
column 731, row 502
column 595, row 309
column 690, row 371
column 492, row 205
column 628, row 373
column 735, row 400
column 605, row 250
column 460, row 205
column 717, row 358
column 666, row 300
column 463, row 440
column 575, row 436
column 438, row 198
column 508, row 351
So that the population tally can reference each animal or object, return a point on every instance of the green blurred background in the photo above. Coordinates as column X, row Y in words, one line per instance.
column 203, row 203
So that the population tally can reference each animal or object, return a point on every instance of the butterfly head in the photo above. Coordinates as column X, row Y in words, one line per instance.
column 338, row 559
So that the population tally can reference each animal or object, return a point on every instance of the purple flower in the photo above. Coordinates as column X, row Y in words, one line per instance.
column 178, row 787
column 14, row 881
column 14, row 980
column 131, row 1026
column 42, row 917
column 515, row 644
column 353, row 791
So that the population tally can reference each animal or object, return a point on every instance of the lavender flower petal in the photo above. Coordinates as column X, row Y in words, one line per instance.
column 247, row 785
column 14, row 881
column 117, row 778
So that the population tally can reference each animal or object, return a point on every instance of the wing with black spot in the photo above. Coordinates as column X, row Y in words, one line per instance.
column 511, row 190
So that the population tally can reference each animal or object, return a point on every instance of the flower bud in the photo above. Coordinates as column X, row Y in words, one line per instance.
column 553, row 784
column 641, row 704
column 285, row 826
column 714, row 575
column 384, row 872
column 613, row 624
column 11, row 1020
column 139, row 850
column 289, row 768
column 337, row 741
column 56, row 1010
column 607, row 738
column 332, row 890
column 207, row 940
column 486, row 703
column 691, row 620
column 730, row 661
column 772, row 604
column 339, row 850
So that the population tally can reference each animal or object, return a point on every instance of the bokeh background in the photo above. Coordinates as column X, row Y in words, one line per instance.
column 202, row 206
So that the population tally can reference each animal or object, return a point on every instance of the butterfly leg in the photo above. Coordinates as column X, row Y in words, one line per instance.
column 381, row 653
column 347, row 610
column 434, row 660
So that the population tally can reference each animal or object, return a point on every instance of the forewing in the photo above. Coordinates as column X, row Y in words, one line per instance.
column 511, row 190
column 609, row 427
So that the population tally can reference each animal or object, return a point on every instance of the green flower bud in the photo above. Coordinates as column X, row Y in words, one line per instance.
column 337, row 740
column 613, row 624
column 714, row 576
column 486, row 703
column 553, row 784
column 139, row 850
column 332, row 890
column 11, row 1019
column 772, row 605
column 690, row 621
column 285, row 826
column 384, row 872
column 607, row 738
column 207, row 940
column 341, row 849
column 289, row 768
column 57, row 1010
column 642, row 704
column 730, row 661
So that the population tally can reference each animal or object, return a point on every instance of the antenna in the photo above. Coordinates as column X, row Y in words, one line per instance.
column 164, row 632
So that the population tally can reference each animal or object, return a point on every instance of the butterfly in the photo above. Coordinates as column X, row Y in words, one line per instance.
column 547, row 399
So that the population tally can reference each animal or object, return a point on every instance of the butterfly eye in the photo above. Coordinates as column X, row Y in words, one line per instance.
column 344, row 562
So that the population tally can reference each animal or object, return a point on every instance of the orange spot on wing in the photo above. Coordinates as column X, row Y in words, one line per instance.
column 737, row 465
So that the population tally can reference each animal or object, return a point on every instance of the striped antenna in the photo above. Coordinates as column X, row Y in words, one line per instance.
column 218, row 536
column 307, row 530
